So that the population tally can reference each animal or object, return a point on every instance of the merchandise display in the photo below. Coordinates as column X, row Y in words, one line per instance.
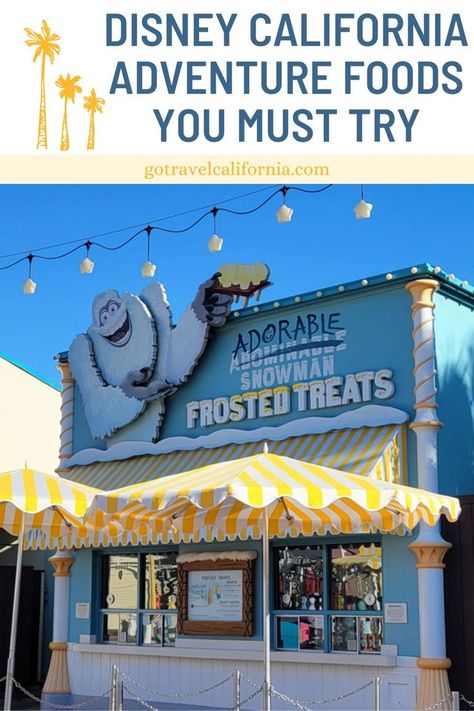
column 161, row 581
column 300, row 578
column 370, row 634
column 344, row 634
column 356, row 577
column 300, row 632
column 356, row 634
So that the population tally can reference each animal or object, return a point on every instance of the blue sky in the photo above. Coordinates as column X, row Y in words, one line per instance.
column 323, row 245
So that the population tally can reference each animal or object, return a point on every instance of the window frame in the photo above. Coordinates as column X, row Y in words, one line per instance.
column 326, row 612
column 138, row 611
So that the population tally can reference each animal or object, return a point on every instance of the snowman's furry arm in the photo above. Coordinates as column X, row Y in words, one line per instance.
column 188, row 339
column 179, row 348
column 187, row 342
column 106, row 407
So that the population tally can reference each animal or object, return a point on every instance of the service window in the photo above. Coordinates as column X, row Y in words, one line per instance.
column 139, row 595
column 328, row 598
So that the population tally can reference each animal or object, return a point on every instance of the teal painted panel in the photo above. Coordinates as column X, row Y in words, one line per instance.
column 454, row 328
column 400, row 584
column 81, row 591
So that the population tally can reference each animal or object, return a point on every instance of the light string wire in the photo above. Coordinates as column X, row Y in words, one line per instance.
column 30, row 255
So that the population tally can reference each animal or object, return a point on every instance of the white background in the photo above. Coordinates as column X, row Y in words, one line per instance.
column 128, row 125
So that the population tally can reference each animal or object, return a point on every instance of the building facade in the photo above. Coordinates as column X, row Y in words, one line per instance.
column 29, row 429
column 373, row 377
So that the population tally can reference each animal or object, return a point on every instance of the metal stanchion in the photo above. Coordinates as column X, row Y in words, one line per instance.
column 120, row 696
column 455, row 700
column 14, row 626
column 236, row 690
column 113, row 689
column 376, row 693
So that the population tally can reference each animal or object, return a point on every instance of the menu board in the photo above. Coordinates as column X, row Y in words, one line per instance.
column 215, row 595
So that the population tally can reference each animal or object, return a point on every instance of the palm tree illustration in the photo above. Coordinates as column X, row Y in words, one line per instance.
column 69, row 88
column 47, row 46
column 92, row 103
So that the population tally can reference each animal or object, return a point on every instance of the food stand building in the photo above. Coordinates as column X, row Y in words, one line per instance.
column 344, row 377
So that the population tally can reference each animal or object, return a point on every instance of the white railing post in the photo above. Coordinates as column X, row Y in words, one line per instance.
column 376, row 693
column 455, row 703
column 113, row 689
column 237, row 690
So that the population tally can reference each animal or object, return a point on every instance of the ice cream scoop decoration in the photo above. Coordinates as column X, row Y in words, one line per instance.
column 243, row 280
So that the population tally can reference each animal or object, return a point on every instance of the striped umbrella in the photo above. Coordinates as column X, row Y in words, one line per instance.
column 267, row 495
column 31, row 501
column 34, row 501
column 227, row 500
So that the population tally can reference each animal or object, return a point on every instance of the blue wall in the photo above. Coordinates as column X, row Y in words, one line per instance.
column 400, row 584
column 454, row 328
column 81, row 591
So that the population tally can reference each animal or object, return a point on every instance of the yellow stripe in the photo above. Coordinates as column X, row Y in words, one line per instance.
column 341, row 446
column 29, row 488
column 54, row 490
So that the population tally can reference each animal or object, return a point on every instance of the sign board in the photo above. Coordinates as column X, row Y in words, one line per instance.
column 396, row 612
column 82, row 610
column 215, row 595
column 276, row 367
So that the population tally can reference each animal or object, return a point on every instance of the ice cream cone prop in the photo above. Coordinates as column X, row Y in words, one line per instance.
column 243, row 281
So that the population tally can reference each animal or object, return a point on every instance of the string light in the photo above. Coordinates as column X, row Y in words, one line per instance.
column 363, row 209
column 29, row 286
column 87, row 265
column 148, row 269
column 215, row 243
column 284, row 213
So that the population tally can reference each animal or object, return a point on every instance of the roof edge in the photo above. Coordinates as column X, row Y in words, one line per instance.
column 34, row 373
column 450, row 285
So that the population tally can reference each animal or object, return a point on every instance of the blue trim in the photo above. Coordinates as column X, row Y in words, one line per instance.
column 28, row 370
column 455, row 288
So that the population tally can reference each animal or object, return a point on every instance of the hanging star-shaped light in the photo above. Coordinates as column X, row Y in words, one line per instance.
column 284, row 213
column 363, row 208
column 215, row 242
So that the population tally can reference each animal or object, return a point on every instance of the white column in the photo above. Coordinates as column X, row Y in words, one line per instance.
column 429, row 547
column 67, row 416
column 57, row 680
column 431, row 591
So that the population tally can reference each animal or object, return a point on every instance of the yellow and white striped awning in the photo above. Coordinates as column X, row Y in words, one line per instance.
column 226, row 501
column 50, row 506
column 376, row 452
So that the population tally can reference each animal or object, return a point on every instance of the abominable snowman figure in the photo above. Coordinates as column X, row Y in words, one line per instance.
column 132, row 355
